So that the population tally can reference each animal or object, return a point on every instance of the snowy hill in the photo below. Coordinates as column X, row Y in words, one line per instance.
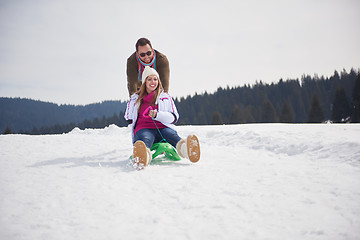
column 254, row 181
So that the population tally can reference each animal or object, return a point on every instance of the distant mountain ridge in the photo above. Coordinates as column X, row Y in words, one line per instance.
column 21, row 114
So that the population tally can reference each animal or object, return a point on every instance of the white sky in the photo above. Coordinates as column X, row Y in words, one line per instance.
column 75, row 51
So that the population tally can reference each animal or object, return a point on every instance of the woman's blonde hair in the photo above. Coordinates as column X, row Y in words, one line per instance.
column 142, row 93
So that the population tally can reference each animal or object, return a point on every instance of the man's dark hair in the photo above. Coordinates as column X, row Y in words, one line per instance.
column 142, row 42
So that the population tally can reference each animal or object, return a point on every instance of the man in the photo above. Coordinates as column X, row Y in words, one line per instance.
column 145, row 55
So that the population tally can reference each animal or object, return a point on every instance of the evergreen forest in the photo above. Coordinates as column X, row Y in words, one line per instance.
column 312, row 99
column 309, row 100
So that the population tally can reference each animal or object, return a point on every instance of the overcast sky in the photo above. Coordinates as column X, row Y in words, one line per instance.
column 74, row 52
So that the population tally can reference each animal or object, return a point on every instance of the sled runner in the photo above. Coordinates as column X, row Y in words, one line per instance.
column 166, row 149
column 162, row 151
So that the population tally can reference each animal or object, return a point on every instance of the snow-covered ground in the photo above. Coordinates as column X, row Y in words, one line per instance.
column 254, row 181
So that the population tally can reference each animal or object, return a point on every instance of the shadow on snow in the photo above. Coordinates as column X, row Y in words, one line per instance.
column 106, row 160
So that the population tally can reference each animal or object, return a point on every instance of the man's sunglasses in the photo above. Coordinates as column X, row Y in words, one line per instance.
column 147, row 53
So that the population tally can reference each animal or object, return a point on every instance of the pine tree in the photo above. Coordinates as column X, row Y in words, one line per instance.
column 7, row 131
column 237, row 115
column 35, row 131
column 355, row 116
column 249, row 118
column 104, row 122
column 341, row 109
column 286, row 114
column 216, row 119
column 114, row 120
column 316, row 114
column 202, row 118
column 268, row 114
column 96, row 123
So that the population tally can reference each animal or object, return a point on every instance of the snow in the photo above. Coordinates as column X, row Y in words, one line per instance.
column 253, row 181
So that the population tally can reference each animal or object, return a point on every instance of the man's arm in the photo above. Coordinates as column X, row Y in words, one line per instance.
column 132, row 74
column 163, row 69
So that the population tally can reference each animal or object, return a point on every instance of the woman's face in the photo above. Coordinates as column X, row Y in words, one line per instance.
column 152, row 83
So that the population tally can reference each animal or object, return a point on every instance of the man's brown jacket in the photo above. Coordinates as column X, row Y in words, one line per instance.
column 162, row 67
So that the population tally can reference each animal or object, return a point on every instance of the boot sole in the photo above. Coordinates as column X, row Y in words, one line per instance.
column 140, row 154
column 193, row 148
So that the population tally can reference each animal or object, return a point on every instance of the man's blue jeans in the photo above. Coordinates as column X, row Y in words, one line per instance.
column 151, row 136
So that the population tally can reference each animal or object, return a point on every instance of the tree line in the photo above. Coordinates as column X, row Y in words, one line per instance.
column 65, row 128
column 312, row 99
column 25, row 115
column 309, row 100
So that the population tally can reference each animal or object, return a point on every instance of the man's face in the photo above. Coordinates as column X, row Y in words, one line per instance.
column 145, row 50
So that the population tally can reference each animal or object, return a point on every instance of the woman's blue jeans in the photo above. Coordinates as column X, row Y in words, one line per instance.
column 151, row 136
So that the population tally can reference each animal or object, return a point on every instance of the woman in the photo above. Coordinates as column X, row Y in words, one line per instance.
column 152, row 114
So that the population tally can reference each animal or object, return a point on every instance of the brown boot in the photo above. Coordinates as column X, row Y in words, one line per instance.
column 189, row 148
column 193, row 148
column 141, row 154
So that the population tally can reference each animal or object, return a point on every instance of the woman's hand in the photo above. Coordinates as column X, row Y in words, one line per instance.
column 153, row 113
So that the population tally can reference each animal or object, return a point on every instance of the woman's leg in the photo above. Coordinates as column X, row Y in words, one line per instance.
column 146, row 135
column 170, row 136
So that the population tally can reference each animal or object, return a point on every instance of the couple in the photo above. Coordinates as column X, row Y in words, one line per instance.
column 152, row 114
column 151, row 111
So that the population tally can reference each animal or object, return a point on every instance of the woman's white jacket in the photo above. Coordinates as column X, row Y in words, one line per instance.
column 167, row 113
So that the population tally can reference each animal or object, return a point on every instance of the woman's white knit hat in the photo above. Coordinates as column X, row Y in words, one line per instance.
column 147, row 72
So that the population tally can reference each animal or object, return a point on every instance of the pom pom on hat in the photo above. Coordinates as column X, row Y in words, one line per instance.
column 147, row 72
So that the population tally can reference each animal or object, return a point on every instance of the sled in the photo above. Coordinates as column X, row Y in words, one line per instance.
column 162, row 147
column 163, row 151
column 166, row 149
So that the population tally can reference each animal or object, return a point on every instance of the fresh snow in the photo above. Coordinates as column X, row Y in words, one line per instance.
column 253, row 181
